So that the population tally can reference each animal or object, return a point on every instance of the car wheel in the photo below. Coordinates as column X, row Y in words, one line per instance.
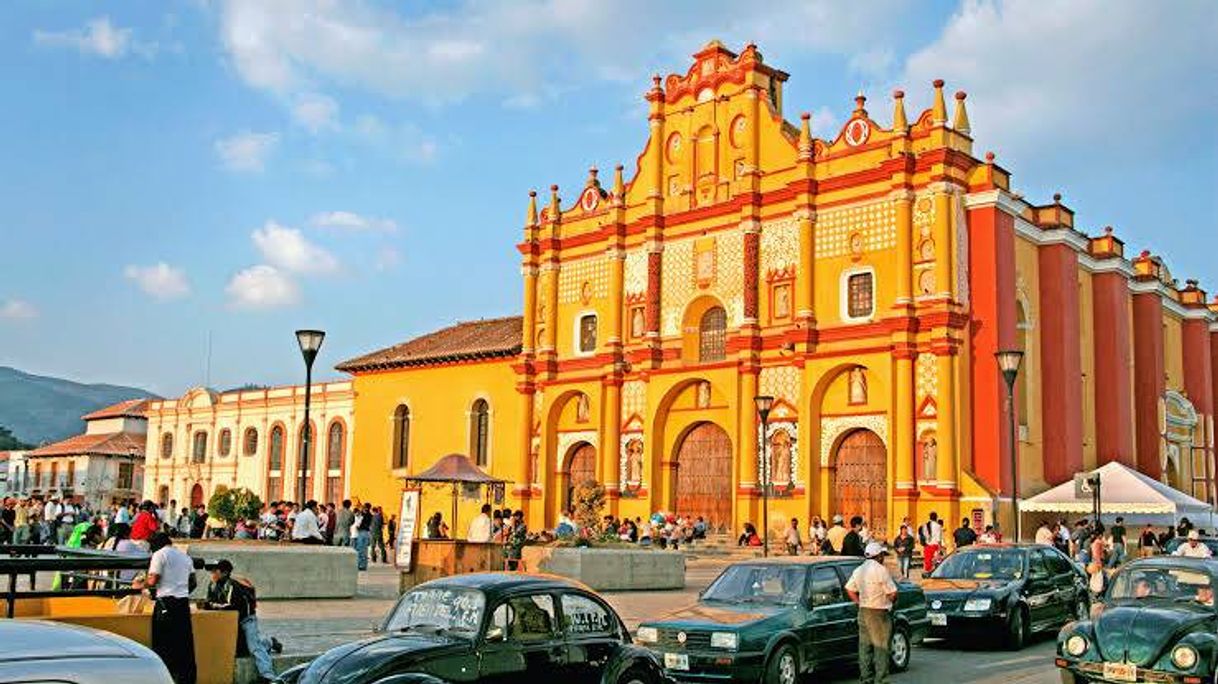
column 900, row 650
column 783, row 667
column 636, row 675
column 1017, row 630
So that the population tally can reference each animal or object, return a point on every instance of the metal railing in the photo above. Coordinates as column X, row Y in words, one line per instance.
column 74, row 566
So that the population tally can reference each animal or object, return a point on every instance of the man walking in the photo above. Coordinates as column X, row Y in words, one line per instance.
column 378, row 535
column 964, row 535
column 342, row 524
column 852, row 543
column 931, row 536
column 229, row 593
column 795, row 543
column 169, row 575
column 1117, row 535
column 363, row 536
column 872, row 588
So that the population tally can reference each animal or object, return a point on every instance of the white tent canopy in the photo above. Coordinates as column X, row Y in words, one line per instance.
column 1126, row 492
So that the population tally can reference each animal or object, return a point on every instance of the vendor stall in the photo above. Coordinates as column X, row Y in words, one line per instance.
column 1139, row 499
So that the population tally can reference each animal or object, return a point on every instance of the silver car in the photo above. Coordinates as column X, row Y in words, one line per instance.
column 59, row 652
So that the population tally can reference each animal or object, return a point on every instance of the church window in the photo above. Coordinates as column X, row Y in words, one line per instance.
column 401, row 437
column 479, row 432
column 226, row 442
column 251, row 441
column 199, row 452
column 860, row 295
column 587, row 334
column 712, row 335
column 167, row 445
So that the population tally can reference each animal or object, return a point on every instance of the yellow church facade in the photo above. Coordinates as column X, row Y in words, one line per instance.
column 863, row 281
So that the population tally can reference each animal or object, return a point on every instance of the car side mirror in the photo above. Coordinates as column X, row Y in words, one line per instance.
column 495, row 634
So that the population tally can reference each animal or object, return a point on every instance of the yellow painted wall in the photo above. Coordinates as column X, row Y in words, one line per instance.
column 1173, row 361
column 1031, row 448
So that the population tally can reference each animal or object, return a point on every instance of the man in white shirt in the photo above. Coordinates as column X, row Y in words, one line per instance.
column 480, row 527
column 872, row 588
column 306, row 530
column 1044, row 534
column 1193, row 548
column 931, row 536
column 169, row 575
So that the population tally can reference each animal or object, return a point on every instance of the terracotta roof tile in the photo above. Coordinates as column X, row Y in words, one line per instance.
column 132, row 408
column 112, row 444
column 488, row 338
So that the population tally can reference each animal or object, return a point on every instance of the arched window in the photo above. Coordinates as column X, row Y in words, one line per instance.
column 401, row 436
column 167, row 445
column 1023, row 332
column 251, row 441
column 226, row 442
column 334, row 463
column 198, row 453
column 712, row 335
column 479, row 431
column 274, row 479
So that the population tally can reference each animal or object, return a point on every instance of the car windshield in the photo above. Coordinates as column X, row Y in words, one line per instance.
column 759, row 584
column 436, row 609
column 1002, row 564
column 1183, row 585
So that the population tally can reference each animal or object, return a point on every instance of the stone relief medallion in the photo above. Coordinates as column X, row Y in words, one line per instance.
column 590, row 199
column 857, row 132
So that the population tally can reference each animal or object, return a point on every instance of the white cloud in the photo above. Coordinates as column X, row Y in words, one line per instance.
column 17, row 310
column 316, row 112
column 99, row 37
column 287, row 249
column 507, row 47
column 262, row 287
column 1045, row 77
column 246, row 151
column 347, row 220
column 388, row 258
column 160, row 281
column 824, row 123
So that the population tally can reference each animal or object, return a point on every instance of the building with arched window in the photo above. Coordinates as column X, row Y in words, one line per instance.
column 205, row 424
column 864, row 278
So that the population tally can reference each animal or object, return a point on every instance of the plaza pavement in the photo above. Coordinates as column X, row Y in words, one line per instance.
column 312, row 626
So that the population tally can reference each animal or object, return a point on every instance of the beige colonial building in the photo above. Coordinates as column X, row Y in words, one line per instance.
column 102, row 466
column 249, row 438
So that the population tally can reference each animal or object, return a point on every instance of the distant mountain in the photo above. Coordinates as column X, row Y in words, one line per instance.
column 42, row 409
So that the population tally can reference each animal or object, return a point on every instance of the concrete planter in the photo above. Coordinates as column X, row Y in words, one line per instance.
column 610, row 569
column 282, row 571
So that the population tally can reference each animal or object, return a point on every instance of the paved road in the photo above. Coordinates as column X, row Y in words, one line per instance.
column 312, row 626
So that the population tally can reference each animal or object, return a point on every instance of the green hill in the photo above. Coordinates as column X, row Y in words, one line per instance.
column 40, row 409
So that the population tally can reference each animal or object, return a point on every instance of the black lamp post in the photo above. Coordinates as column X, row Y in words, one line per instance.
column 1008, row 362
column 310, row 343
column 764, row 404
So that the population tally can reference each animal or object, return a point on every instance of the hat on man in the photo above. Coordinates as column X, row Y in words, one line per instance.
column 837, row 519
column 875, row 549
column 1193, row 535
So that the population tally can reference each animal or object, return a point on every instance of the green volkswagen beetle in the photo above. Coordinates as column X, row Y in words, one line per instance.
column 1157, row 623
column 773, row 620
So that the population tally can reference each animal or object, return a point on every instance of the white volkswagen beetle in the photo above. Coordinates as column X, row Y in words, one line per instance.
column 58, row 652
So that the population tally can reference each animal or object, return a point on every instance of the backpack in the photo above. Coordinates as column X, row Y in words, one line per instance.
column 922, row 533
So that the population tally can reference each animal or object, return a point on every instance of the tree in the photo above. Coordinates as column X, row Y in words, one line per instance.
column 9, row 441
column 589, row 500
column 232, row 505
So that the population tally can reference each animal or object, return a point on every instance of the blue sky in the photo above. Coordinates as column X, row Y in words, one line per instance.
column 179, row 170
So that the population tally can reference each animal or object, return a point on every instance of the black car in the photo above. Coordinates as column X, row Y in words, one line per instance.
column 491, row 627
column 1008, row 589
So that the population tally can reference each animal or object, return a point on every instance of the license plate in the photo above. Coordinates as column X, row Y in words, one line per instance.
column 938, row 619
column 676, row 661
column 1121, row 672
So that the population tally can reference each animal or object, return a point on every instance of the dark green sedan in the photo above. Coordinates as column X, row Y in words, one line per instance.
column 490, row 627
column 774, row 620
column 1156, row 623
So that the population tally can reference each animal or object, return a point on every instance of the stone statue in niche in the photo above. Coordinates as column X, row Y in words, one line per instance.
column 637, row 323
column 634, row 461
column 705, row 268
column 930, row 457
column 926, row 281
column 704, row 395
column 780, row 458
column 782, row 300
column 581, row 409
column 858, row 385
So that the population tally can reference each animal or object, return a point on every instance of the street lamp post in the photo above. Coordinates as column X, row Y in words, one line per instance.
column 1008, row 362
column 310, row 343
column 764, row 404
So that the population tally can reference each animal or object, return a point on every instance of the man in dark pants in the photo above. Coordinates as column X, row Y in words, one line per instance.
column 169, row 578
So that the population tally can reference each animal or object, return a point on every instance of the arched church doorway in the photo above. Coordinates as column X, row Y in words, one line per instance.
column 703, row 481
column 196, row 495
column 860, row 480
column 580, row 467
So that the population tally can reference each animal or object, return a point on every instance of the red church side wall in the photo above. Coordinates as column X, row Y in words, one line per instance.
column 1198, row 368
column 992, row 287
column 1113, row 364
column 1149, row 381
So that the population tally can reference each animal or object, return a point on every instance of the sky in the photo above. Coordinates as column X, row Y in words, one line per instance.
column 185, row 183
